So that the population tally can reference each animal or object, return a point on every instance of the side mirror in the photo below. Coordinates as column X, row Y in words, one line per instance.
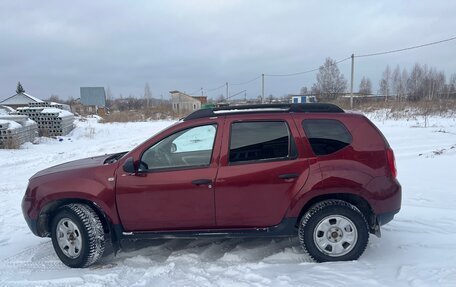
column 129, row 165
column 173, row 148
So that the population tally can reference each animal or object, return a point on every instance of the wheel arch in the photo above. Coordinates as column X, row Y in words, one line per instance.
column 49, row 210
column 354, row 199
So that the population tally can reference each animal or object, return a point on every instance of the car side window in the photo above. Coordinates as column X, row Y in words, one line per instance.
column 326, row 136
column 260, row 141
column 187, row 148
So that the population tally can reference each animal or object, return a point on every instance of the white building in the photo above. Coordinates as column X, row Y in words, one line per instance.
column 184, row 104
column 20, row 100
column 301, row 99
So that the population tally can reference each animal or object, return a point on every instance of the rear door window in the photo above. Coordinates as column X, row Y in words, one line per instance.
column 260, row 141
column 326, row 136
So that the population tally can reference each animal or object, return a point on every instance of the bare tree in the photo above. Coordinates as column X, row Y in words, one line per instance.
column 108, row 94
column 270, row 98
column 396, row 82
column 385, row 83
column 109, row 98
column 147, row 95
column 414, row 83
column 452, row 82
column 365, row 86
column 70, row 101
column 404, row 79
column 423, row 83
column 330, row 81
column 55, row 99
column 436, row 83
column 220, row 99
column 304, row 91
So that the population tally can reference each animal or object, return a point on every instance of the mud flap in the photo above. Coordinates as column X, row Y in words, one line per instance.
column 376, row 228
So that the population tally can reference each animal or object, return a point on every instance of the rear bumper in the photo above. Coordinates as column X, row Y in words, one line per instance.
column 384, row 218
column 385, row 197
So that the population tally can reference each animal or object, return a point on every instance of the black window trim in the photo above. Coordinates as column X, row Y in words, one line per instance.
column 182, row 167
column 290, row 134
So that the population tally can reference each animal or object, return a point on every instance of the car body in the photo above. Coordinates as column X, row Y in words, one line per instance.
column 248, row 171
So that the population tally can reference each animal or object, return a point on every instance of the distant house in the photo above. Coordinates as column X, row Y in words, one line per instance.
column 93, row 96
column 20, row 100
column 184, row 104
column 92, row 101
column 301, row 99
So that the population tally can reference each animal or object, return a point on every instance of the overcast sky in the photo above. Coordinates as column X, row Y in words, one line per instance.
column 55, row 47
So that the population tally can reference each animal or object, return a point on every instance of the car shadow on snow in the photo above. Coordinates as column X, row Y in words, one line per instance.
column 277, row 250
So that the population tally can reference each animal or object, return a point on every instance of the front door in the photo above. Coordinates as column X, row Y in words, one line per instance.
column 174, row 187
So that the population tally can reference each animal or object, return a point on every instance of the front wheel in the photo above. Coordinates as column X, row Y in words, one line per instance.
column 77, row 235
column 333, row 230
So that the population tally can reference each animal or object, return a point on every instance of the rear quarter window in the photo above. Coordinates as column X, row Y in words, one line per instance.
column 326, row 136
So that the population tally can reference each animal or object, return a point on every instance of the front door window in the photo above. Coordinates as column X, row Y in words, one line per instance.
column 187, row 148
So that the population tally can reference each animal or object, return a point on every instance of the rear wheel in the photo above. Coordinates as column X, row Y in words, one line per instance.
column 77, row 235
column 333, row 230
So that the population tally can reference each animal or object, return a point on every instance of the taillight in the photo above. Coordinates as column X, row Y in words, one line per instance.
column 391, row 162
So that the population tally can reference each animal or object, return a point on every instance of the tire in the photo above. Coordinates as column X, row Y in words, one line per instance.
column 333, row 230
column 77, row 235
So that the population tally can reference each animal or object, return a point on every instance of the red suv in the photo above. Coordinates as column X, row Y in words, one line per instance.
column 307, row 170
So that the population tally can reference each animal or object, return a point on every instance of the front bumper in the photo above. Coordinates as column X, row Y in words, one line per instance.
column 26, row 208
column 32, row 225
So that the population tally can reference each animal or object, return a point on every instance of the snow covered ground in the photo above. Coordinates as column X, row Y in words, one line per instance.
column 417, row 248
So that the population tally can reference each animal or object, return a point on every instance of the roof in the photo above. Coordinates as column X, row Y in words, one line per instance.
column 202, row 99
column 265, row 108
column 93, row 96
column 20, row 99
column 179, row 96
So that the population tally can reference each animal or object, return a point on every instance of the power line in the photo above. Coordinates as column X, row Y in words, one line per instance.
column 210, row 90
column 192, row 93
column 337, row 62
column 304, row 72
column 238, row 93
column 246, row 82
column 405, row 49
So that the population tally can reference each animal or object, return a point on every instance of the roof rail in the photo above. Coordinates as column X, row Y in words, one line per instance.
column 263, row 108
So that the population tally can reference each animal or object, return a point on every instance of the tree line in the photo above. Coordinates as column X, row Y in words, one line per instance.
column 421, row 82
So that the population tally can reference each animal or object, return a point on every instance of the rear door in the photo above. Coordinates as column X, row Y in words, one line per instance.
column 260, row 170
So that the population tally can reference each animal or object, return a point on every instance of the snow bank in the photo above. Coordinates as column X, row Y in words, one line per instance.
column 3, row 111
column 62, row 113
column 11, row 124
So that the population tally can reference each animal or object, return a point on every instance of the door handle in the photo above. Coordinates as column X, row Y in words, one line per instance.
column 288, row 175
column 202, row 181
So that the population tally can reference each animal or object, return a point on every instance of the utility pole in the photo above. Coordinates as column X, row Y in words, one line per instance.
column 226, row 97
column 262, row 88
column 202, row 93
column 351, row 82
